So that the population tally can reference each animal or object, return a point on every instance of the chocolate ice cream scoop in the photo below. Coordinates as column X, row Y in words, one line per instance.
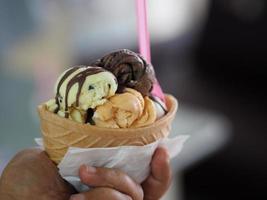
column 130, row 69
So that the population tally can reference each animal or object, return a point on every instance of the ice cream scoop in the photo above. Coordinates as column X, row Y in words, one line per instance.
column 149, row 114
column 160, row 106
column 83, row 87
column 125, row 110
column 131, row 70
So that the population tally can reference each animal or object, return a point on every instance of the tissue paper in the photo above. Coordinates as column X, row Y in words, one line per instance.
column 133, row 160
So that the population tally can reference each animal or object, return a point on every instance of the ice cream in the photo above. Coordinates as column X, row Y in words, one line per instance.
column 112, row 102
column 160, row 106
column 81, row 88
column 114, row 93
column 125, row 110
column 130, row 69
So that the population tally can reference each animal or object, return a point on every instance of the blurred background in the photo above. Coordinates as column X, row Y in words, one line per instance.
column 210, row 54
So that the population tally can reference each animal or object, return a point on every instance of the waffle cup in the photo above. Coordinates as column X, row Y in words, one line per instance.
column 60, row 133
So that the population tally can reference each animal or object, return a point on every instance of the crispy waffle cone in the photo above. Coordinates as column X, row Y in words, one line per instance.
column 60, row 133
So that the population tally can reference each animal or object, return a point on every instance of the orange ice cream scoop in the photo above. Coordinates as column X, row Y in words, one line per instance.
column 149, row 114
column 125, row 110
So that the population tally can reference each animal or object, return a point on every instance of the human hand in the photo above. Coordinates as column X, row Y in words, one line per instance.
column 32, row 175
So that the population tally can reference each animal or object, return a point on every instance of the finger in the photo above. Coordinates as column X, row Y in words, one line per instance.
column 159, row 180
column 101, row 194
column 112, row 178
column 160, row 165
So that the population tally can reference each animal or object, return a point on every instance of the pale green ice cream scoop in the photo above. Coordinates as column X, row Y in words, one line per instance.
column 83, row 87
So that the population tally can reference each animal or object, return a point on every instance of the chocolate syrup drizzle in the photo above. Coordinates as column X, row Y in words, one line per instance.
column 158, row 102
column 78, row 78
column 69, row 72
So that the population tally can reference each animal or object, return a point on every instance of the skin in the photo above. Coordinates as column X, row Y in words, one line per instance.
column 31, row 175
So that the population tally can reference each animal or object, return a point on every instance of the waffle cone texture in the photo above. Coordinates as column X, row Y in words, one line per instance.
column 60, row 133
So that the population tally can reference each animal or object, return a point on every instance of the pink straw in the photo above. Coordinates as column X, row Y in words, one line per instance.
column 144, row 41
column 143, row 34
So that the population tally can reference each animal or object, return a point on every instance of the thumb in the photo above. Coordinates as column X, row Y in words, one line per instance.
column 160, row 177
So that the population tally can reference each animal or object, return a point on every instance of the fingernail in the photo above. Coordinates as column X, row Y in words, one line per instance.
column 77, row 197
column 165, row 155
column 90, row 169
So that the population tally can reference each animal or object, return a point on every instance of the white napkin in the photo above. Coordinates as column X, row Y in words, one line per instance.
column 133, row 160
